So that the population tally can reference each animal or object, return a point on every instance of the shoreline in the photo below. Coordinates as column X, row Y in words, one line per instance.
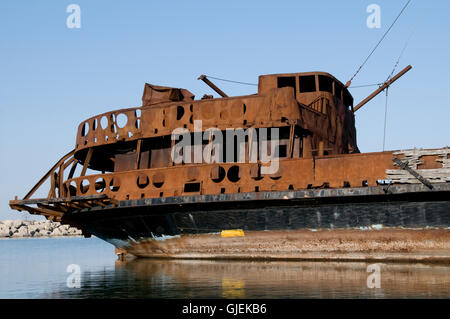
column 12, row 229
column 42, row 237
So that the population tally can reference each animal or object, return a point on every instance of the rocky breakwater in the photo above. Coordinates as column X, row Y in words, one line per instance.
column 28, row 228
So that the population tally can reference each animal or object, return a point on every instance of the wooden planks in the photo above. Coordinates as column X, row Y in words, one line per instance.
column 414, row 158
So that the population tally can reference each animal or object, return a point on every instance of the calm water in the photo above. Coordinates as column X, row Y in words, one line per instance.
column 36, row 268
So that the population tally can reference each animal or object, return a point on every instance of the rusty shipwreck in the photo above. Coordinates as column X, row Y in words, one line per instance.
column 326, row 199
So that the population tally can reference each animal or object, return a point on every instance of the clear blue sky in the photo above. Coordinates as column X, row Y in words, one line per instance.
column 52, row 77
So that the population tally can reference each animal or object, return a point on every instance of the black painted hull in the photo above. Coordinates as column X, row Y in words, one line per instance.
column 133, row 223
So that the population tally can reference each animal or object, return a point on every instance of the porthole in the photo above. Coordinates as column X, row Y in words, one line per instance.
column 142, row 181
column 217, row 174
column 233, row 174
column 114, row 185
column 85, row 129
column 122, row 120
column 84, row 186
column 100, row 185
column 73, row 188
column 158, row 180
column 180, row 112
column 104, row 122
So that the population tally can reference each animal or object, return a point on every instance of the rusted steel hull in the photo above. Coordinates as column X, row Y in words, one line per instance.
column 431, row 245
column 404, row 222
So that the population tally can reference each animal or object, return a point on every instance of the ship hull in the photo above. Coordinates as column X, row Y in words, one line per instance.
column 406, row 222
column 422, row 245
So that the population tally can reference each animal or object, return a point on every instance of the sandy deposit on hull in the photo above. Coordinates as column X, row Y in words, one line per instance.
column 27, row 228
column 345, row 244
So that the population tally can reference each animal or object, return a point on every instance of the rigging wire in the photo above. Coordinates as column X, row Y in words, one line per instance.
column 232, row 81
column 404, row 48
column 385, row 117
column 382, row 38
column 365, row 85
column 359, row 69
column 390, row 76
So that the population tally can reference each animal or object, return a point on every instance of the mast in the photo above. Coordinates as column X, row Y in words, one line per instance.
column 212, row 85
column 381, row 88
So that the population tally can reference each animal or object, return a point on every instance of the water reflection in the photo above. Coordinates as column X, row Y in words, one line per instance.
column 148, row 278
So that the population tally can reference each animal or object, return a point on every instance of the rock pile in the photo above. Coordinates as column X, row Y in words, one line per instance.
column 28, row 228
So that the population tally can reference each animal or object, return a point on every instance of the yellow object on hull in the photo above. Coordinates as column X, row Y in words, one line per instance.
column 232, row 233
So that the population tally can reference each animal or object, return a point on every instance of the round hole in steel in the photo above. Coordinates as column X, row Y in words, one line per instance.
column 114, row 185
column 180, row 112
column 142, row 181
column 217, row 174
column 158, row 180
column 233, row 174
column 84, row 186
column 122, row 120
column 85, row 129
column 100, row 185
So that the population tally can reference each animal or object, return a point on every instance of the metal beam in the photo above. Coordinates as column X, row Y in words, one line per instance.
column 405, row 166
column 86, row 161
column 381, row 88
column 212, row 85
column 44, row 178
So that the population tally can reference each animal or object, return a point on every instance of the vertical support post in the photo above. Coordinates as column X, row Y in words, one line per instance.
column 138, row 153
column 61, row 192
column 321, row 150
column 291, row 141
column 72, row 169
column 86, row 161
column 171, row 150
column 307, row 149
column 53, row 177
column 208, row 157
